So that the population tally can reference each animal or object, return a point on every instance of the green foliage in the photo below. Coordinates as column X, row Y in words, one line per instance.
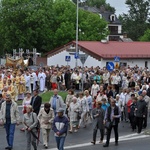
column 45, row 24
column 146, row 36
column 136, row 21
column 46, row 96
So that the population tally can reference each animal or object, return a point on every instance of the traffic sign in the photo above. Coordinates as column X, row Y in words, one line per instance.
column 76, row 55
column 110, row 66
column 67, row 58
column 116, row 59
column 83, row 58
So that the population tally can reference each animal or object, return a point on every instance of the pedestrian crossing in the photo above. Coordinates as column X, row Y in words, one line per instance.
column 128, row 137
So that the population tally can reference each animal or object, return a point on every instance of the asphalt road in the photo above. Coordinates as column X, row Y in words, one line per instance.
column 81, row 140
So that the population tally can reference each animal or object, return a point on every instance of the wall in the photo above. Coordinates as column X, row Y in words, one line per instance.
column 60, row 60
column 130, row 62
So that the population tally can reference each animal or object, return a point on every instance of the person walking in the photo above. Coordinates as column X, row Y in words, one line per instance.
column 30, row 123
column 56, row 102
column 74, row 110
column 83, row 103
column 132, row 113
column 112, row 116
column 9, row 116
column 141, row 110
column 26, row 101
column 60, row 127
column 36, row 102
column 98, row 122
column 46, row 117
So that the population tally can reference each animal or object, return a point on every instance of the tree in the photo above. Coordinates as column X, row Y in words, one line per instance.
column 146, row 36
column 99, row 3
column 45, row 24
column 136, row 21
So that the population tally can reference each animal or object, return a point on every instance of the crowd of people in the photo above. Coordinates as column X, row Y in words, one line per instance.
column 107, row 99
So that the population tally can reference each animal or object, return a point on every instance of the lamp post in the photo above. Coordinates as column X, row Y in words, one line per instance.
column 77, row 21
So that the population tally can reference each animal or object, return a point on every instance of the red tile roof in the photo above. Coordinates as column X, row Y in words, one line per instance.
column 109, row 50
column 121, row 49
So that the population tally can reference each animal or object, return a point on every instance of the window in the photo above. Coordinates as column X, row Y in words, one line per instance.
column 112, row 18
column 146, row 64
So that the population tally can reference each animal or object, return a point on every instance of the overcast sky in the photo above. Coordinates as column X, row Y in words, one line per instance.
column 119, row 5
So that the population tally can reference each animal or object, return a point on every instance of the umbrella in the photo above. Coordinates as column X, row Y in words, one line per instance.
column 34, row 134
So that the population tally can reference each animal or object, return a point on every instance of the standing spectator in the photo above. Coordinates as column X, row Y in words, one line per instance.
column 60, row 127
column 48, row 81
column 59, row 81
column 46, row 117
column 127, row 98
column 54, row 80
column 100, row 96
column 98, row 122
column 112, row 115
column 94, row 89
column 140, row 112
column 106, row 76
column 109, row 92
column 78, row 80
column 67, row 78
column 117, row 81
column 97, row 78
column 147, row 100
column 56, row 102
column 9, row 116
column 30, row 123
column 131, row 83
column 1, row 100
column 36, row 102
column 130, row 101
column 132, row 113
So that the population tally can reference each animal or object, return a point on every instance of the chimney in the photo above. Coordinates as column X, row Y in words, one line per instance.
column 102, row 9
column 125, row 35
column 85, row 7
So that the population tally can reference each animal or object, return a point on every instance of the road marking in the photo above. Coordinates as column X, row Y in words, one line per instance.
column 121, row 138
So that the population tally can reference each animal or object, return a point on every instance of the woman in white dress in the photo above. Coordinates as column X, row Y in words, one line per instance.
column 84, row 109
column 94, row 89
column 74, row 110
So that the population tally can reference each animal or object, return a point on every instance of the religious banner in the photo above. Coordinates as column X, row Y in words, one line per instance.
column 14, row 62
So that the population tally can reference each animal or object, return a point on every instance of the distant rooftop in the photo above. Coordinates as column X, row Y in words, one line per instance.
column 105, row 14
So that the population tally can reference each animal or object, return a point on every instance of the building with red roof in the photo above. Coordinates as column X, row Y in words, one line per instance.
column 99, row 53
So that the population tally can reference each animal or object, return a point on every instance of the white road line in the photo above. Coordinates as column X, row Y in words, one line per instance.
column 122, row 138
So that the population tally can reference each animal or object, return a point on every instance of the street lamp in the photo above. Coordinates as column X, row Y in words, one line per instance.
column 77, row 21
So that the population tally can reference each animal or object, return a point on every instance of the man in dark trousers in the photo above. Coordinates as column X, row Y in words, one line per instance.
column 140, row 112
column 36, row 102
column 60, row 127
column 112, row 115
column 67, row 78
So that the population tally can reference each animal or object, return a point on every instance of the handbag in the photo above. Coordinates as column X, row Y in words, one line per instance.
column 108, row 125
column 79, row 116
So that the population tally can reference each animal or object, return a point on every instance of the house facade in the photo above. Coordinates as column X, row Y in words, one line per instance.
column 114, row 24
column 99, row 54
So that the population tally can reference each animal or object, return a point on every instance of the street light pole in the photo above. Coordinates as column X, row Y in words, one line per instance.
column 77, row 21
